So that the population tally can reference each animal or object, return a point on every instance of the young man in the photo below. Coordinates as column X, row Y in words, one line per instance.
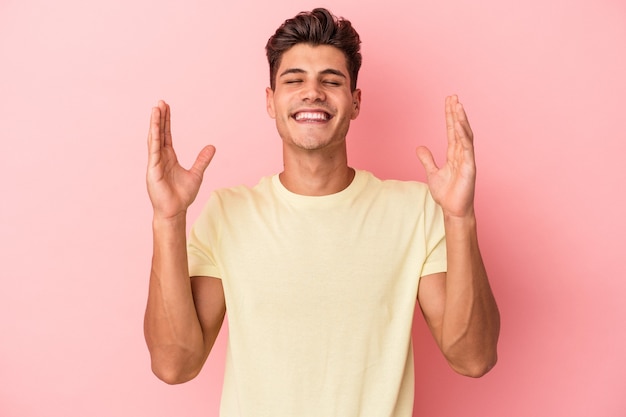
column 320, row 265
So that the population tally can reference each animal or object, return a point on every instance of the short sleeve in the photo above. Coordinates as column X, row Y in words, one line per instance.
column 435, row 237
column 202, row 242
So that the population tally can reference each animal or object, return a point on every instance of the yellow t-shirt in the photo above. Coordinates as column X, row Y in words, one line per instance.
column 320, row 294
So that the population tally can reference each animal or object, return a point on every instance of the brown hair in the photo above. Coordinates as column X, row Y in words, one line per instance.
column 317, row 27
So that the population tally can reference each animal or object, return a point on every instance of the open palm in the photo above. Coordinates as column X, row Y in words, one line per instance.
column 172, row 188
column 452, row 186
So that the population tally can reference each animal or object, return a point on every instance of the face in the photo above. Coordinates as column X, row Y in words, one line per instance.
column 312, row 102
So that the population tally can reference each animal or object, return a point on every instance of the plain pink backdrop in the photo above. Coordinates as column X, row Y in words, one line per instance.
column 544, row 86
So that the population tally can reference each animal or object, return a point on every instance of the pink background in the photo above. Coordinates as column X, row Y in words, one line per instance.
column 544, row 85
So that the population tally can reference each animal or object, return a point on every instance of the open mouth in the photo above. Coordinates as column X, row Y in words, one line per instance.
column 312, row 116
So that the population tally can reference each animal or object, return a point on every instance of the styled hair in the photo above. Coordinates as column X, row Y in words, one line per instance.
column 317, row 27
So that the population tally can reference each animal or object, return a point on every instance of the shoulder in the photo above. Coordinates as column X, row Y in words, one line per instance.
column 395, row 188
column 243, row 192
column 233, row 202
column 400, row 197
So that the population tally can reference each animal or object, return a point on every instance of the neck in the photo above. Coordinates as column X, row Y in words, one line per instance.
column 316, row 174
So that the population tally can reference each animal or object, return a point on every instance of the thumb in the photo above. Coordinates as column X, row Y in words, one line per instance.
column 203, row 160
column 427, row 160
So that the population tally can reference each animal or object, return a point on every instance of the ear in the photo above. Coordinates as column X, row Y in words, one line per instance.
column 269, row 102
column 356, row 103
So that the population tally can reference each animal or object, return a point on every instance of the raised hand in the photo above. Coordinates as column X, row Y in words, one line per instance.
column 452, row 185
column 171, row 188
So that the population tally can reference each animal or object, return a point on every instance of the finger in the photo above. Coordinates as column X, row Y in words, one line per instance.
column 449, row 120
column 463, row 122
column 426, row 158
column 167, row 140
column 203, row 160
column 464, row 138
column 163, row 110
column 154, row 137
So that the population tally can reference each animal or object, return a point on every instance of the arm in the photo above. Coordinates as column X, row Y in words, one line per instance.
column 459, row 306
column 178, row 334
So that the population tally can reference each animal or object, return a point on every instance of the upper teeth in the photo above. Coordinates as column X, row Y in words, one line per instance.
column 311, row 116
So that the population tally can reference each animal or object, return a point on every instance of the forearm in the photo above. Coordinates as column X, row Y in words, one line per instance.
column 471, row 321
column 172, row 329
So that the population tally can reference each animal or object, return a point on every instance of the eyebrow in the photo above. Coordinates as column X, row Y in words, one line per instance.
column 327, row 71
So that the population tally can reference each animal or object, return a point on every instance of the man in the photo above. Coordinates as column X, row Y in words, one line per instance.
column 318, row 266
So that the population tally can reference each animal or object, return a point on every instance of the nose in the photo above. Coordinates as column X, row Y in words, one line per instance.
column 313, row 92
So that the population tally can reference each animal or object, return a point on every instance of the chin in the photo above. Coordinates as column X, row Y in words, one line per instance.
column 310, row 146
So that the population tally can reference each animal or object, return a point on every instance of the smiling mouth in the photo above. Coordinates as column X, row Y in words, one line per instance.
column 312, row 116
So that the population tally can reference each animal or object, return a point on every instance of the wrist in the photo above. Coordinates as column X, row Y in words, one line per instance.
column 167, row 222
column 465, row 215
column 465, row 222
